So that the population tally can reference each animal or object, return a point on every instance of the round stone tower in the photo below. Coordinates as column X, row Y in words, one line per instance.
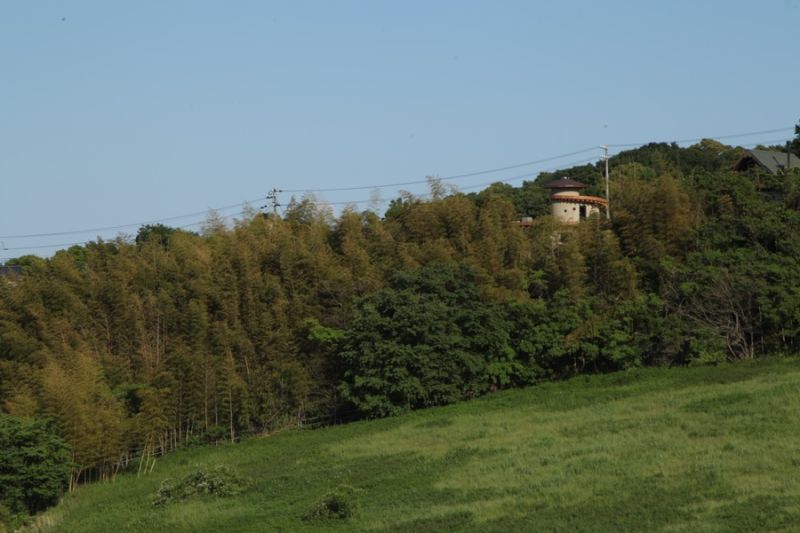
column 569, row 205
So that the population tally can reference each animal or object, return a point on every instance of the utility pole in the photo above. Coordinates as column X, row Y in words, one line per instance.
column 608, row 199
column 273, row 201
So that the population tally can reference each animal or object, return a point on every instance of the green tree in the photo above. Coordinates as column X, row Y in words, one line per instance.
column 34, row 464
column 428, row 339
column 157, row 232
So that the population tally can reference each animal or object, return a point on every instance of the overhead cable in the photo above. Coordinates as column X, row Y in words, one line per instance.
column 445, row 178
column 374, row 186
column 698, row 139
column 81, row 243
column 123, row 226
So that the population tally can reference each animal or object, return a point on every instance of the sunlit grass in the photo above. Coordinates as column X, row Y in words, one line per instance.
column 702, row 449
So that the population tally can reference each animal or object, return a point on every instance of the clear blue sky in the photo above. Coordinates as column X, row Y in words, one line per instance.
column 120, row 112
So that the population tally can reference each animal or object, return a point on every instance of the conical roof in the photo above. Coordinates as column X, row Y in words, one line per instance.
column 565, row 183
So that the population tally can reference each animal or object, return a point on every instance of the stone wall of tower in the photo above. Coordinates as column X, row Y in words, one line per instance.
column 566, row 211
column 570, row 211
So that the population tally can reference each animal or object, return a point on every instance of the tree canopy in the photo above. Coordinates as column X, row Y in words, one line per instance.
column 34, row 464
column 135, row 348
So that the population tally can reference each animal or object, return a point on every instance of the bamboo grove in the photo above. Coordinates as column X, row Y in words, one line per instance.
column 138, row 346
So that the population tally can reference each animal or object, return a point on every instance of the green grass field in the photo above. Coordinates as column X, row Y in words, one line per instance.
column 699, row 449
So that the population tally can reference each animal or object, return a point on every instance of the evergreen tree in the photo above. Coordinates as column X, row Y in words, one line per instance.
column 35, row 465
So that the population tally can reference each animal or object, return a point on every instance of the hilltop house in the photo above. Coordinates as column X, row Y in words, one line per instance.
column 569, row 204
column 770, row 160
column 11, row 270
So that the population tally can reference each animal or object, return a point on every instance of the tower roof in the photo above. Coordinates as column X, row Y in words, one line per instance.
column 565, row 183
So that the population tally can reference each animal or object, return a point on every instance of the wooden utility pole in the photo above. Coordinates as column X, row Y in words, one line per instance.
column 605, row 158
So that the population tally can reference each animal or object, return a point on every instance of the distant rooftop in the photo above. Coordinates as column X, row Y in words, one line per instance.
column 770, row 160
column 10, row 270
column 565, row 183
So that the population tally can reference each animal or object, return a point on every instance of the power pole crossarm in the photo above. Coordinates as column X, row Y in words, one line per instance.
column 273, row 201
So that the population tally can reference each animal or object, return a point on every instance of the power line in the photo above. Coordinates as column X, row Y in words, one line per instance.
column 371, row 200
column 43, row 246
column 528, row 174
column 81, row 243
column 765, row 143
column 322, row 202
column 272, row 197
column 529, row 163
column 446, row 178
column 776, row 130
column 469, row 187
column 717, row 137
column 122, row 226
column 364, row 187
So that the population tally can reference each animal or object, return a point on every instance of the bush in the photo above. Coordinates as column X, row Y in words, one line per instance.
column 6, row 518
column 338, row 505
column 219, row 481
column 35, row 465
column 216, row 434
column 428, row 339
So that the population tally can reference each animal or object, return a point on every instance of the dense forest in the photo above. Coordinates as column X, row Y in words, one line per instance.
column 140, row 345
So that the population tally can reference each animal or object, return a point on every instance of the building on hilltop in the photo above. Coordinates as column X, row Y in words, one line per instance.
column 10, row 270
column 569, row 205
column 770, row 160
column 10, row 274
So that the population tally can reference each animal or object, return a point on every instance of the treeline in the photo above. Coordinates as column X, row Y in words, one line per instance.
column 139, row 346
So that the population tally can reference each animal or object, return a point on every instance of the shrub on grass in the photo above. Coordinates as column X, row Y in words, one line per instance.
column 34, row 465
column 6, row 518
column 220, row 481
column 339, row 504
column 216, row 434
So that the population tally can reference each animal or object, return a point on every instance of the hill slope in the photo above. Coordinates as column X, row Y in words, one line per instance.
column 697, row 449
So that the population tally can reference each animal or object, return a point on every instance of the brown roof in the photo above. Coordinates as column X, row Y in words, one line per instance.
column 565, row 183
column 594, row 200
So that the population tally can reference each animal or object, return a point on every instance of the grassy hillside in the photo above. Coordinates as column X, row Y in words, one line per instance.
column 702, row 449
